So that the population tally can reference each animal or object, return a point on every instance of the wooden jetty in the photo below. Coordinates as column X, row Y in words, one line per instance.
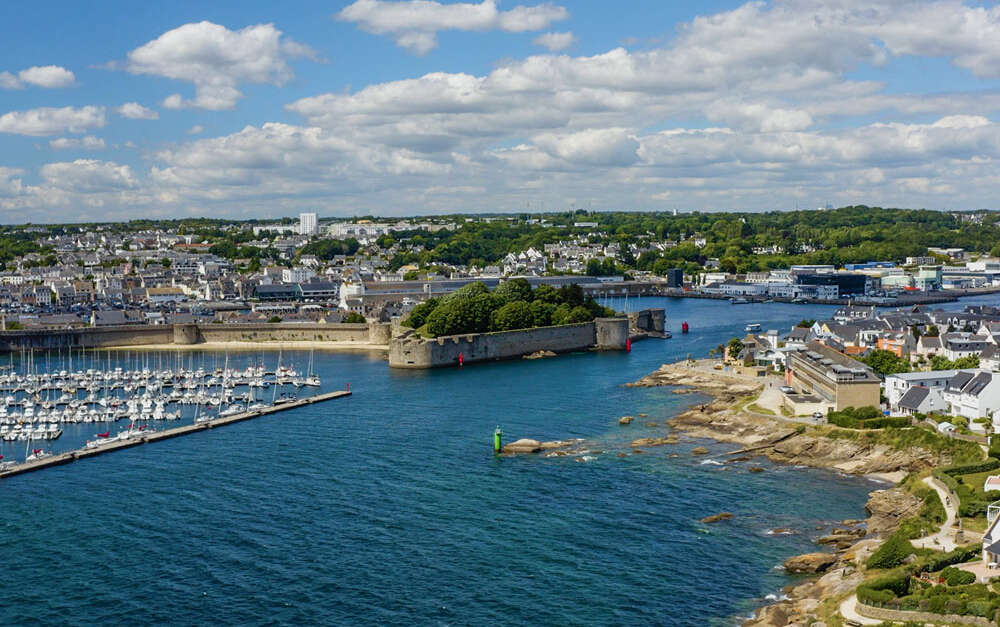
column 166, row 434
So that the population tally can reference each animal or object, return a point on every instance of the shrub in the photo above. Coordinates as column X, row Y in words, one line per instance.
column 892, row 552
column 354, row 318
column 959, row 555
column 979, row 608
column 990, row 463
column 956, row 577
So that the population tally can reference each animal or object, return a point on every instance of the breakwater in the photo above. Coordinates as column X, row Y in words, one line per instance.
column 166, row 434
column 193, row 334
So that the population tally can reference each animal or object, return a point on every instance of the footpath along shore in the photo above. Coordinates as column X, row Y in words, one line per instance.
column 156, row 436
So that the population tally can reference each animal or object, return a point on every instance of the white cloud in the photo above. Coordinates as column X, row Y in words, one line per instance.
column 197, row 129
column 48, row 76
column 555, row 41
column 88, row 176
column 87, row 142
column 50, row 121
column 135, row 111
column 9, row 81
column 415, row 23
column 217, row 60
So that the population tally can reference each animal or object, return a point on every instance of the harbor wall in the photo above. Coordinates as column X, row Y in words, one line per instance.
column 192, row 334
column 409, row 351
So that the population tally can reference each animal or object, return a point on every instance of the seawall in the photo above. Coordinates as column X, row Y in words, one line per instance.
column 374, row 333
column 409, row 351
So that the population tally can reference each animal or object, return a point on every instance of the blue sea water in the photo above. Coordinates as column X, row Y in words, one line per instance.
column 388, row 507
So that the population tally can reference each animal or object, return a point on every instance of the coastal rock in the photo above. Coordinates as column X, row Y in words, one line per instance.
column 755, row 469
column 699, row 450
column 810, row 563
column 651, row 424
column 780, row 531
column 717, row 517
column 642, row 415
column 670, row 439
column 542, row 354
column 626, row 420
column 523, row 445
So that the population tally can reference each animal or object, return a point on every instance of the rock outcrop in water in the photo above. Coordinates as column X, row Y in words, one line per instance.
column 810, row 563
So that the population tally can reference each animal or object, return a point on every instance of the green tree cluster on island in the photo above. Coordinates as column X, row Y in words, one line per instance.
column 512, row 305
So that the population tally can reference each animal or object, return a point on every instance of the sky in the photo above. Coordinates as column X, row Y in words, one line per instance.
column 118, row 110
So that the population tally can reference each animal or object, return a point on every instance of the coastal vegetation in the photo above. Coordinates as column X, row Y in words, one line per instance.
column 512, row 305
column 864, row 418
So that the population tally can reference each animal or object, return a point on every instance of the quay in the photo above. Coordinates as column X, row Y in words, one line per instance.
column 156, row 436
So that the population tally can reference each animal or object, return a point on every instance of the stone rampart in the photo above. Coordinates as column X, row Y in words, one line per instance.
column 409, row 351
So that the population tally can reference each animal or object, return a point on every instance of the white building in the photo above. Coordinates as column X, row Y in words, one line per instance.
column 297, row 275
column 973, row 394
column 897, row 385
column 308, row 224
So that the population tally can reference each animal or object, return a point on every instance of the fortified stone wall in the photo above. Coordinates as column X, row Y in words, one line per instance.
column 278, row 332
column 412, row 352
column 186, row 334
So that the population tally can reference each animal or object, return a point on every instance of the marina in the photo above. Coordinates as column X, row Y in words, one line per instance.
column 142, row 391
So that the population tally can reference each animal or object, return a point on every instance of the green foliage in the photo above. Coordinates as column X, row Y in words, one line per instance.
column 865, row 418
column 806, row 323
column 327, row 249
column 354, row 318
column 411, row 275
column 602, row 268
column 14, row 326
column 541, row 312
column 418, row 317
column 961, row 451
column 513, row 315
column 274, row 319
column 956, row 577
column 940, row 362
column 886, row 362
column 959, row 555
column 735, row 346
column 467, row 314
column 892, row 552
column 513, row 290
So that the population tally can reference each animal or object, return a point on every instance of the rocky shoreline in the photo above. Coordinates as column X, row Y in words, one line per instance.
column 789, row 442
column 779, row 440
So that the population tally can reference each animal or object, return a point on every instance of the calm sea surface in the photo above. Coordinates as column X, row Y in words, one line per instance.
column 388, row 507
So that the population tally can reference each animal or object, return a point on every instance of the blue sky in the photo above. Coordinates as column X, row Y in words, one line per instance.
column 399, row 107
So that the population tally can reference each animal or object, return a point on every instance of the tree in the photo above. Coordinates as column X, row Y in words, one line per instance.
column 541, row 313
column 806, row 323
column 274, row 319
column 354, row 318
column 411, row 275
column 468, row 314
column 513, row 315
column 513, row 290
column 886, row 362
column 418, row 317
column 735, row 347
column 547, row 294
column 932, row 331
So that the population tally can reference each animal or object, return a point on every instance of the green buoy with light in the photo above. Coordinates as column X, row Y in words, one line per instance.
column 496, row 440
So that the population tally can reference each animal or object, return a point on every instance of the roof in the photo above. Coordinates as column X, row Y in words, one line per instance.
column 978, row 384
column 960, row 380
column 914, row 397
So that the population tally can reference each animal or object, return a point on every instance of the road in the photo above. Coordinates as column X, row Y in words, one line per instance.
column 848, row 611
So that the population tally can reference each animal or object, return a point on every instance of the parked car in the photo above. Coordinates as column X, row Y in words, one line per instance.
column 787, row 389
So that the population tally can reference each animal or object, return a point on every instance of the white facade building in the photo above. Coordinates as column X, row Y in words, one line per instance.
column 308, row 224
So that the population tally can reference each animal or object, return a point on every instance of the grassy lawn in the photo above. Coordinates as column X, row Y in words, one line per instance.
column 754, row 407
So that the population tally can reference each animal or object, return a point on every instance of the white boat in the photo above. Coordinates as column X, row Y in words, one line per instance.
column 753, row 327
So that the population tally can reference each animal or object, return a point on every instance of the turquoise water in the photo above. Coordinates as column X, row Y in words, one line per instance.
column 389, row 508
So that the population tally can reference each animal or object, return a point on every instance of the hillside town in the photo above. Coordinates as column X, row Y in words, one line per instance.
column 318, row 270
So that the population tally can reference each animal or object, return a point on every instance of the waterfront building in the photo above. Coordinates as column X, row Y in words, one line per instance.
column 837, row 380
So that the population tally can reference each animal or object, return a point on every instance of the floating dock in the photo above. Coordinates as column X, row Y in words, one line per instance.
column 166, row 434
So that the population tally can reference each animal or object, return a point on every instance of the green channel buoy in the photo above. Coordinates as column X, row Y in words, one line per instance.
column 496, row 440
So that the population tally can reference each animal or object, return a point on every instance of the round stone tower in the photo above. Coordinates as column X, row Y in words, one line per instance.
column 612, row 333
